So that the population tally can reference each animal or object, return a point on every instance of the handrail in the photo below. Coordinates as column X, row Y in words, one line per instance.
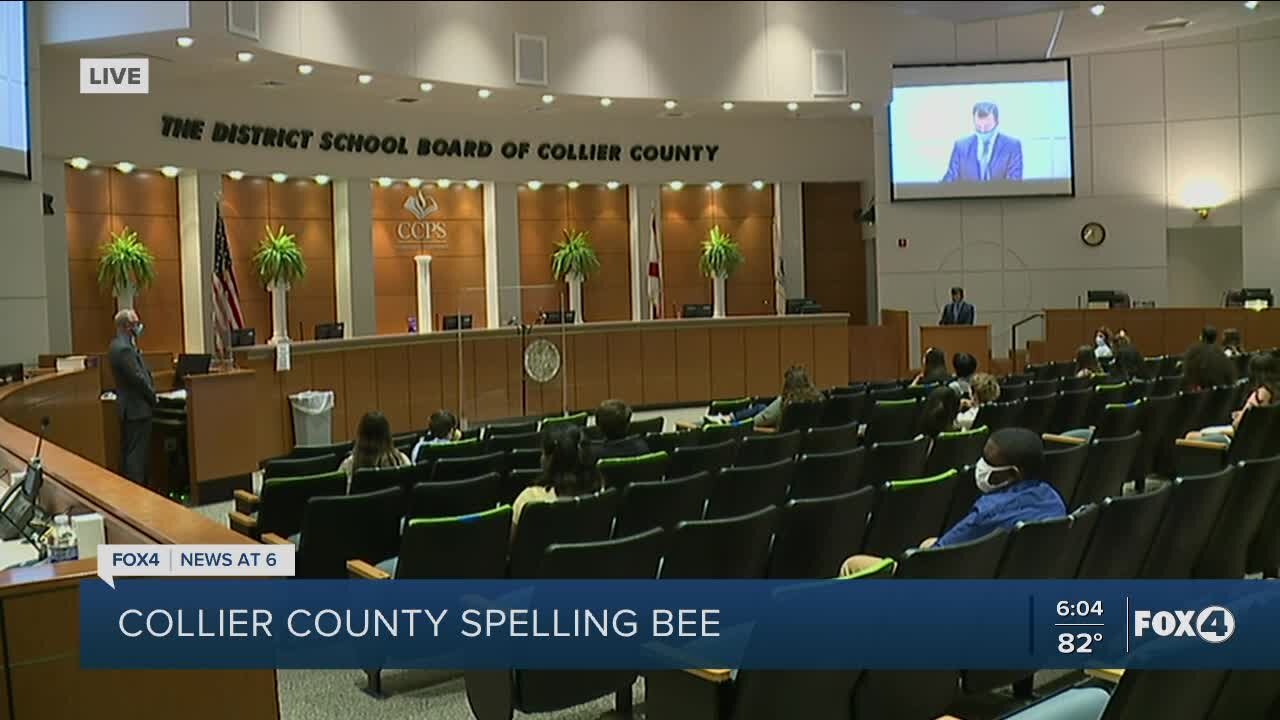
column 1013, row 330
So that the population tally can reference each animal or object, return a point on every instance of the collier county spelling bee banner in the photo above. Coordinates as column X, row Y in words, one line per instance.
column 653, row 624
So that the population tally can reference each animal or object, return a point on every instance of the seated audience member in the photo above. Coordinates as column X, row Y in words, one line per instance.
column 373, row 447
column 1102, row 343
column 1231, row 342
column 984, row 388
column 1087, row 363
column 935, row 368
column 1008, row 476
column 1209, row 335
column 939, row 412
column 1264, row 378
column 441, row 428
column 796, row 388
column 1128, row 362
column 1206, row 366
column 965, row 366
column 1121, row 339
column 613, row 417
column 566, row 471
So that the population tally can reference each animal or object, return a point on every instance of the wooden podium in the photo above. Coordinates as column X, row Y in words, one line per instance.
column 952, row 339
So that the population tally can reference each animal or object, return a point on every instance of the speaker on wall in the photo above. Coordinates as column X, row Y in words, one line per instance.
column 830, row 76
column 48, row 204
column 531, row 59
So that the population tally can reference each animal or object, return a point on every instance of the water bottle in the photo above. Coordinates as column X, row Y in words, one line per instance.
column 61, row 540
column 413, row 326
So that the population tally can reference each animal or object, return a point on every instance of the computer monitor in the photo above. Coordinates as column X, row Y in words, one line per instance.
column 796, row 306
column 455, row 322
column 243, row 337
column 10, row 373
column 1251, row 298
column 557, row 317
column 701, row 310
column 1108, row 299
column 191, row 364
column 18, row 506
column 330, row 331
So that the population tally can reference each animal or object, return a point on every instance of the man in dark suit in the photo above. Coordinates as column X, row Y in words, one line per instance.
column 958, row 312
column 987, row 154
column 135, row 396
column 613, row 417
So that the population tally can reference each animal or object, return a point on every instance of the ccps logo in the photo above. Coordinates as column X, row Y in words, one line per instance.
column 1214, row 624
column 421, row 230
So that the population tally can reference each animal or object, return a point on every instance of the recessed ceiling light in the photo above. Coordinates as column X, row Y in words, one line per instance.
column 573, row 184
column 793, row 106
column 306, row 69
column 473, row 183
column 534, row 184
column 78, row 162
column 757, row 184
column 484, row 93
column 606, row 102
column 670, row 104
column 415, row 183
column 426, row 86
column 1097, row 9
column 364, row 78
column 715, row 184
column 676, row 185
column 322, row 179
column 384, row 182
column 612, row 184
column 1251, row 5
column 443, row 183
column 279, row 177
column 185, row 41
column 244, row 56
column 125, row 167
column 169, row 171
column 727, row 105
column 548, row 99
column 235, row 174
column 855, row 106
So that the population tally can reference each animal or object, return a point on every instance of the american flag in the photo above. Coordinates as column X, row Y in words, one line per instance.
column 226, row 293
column 655, row 266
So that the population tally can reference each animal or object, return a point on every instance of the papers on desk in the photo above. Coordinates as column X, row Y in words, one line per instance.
column 71, row 362
column 179, row 394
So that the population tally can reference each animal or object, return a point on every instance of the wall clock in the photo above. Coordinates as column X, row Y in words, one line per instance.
column 1093, row 234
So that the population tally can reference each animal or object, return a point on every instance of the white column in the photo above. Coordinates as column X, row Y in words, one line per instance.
column 279, row 313
column 641, row 199
column 501, row 253
column 56, row 266
column 425, row 316
column 197, row 215
column 353, row 254
column 788, row 209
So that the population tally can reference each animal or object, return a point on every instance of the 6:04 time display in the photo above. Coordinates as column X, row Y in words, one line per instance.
column 1079, row 608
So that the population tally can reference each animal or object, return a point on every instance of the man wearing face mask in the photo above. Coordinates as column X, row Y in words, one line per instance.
column 1008, row 476
column 135, row 396
column 987, row 154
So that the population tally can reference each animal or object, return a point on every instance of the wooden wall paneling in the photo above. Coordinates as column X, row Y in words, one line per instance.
column 830, row 355
column 728, row 363
column 795, row 347
column 219, row 428
column 659, row 352
column 1063, row 330
column 459, row 385
column 761, row 360
column 273, row 439
column 1145, row 327
column 898, row 323
column 626, row 366
column 515, row 375
column 751, row 289
column 358, row 369
column 426, row 387
column 327, row 374
column 835, row 264
column 1223, row 318
column 693, row 364
column 491, row 379
column 591, row 371
column 1182, row 327
column 1262, row 329
column 391, row 382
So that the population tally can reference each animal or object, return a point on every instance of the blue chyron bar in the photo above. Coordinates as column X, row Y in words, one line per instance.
column 656, row 624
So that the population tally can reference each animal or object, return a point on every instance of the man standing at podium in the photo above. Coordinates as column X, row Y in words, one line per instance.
column 135, row 396
column 958, row 312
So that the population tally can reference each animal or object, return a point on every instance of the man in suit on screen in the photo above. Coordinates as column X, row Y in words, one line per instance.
column 987, row 154
column 135, row 396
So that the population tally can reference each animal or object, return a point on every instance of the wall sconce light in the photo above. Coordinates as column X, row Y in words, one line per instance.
column 1203, row 212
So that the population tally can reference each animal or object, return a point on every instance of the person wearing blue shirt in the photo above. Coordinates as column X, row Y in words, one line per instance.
column 441, row 428
column 1007, row 475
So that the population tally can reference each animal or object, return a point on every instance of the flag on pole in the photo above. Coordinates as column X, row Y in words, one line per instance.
column 226, row 293
column 655, row 266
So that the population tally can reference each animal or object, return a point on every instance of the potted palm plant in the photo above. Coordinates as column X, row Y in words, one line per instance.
column 279, row 263
column 126, row 266
column 573, row 260
column 720, row 257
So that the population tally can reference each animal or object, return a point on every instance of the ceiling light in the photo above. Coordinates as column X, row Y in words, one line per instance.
column 473, row 184
column 612, row 184
column 279, row 177
column 484, row 93
column 548, row 99
column 169, row 171
column 415, row 183
column 715, row 184
column 793, row 106
column 322, row 179
column 78, row 162
column 1097, row 9
column 1251, row 5
column 235, row 174
column 572, row 184
column 125, row 167
column 757, row 184
column 185, row 41
column 244, row 56
column 306, row 69
column 426, row 86
column 726, row 105
column 676, row 185
column 534, row 184
column 855, row 106
column 670, row 104
column 606, row 102
column 384, row 182
column 364, row 78
column 443, row 183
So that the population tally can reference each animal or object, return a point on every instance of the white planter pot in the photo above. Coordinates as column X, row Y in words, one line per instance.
column 279, row 313
column 124, row 297
column 717, row 287
column 574, row 280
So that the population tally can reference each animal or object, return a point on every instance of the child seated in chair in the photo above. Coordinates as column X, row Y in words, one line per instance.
column 441, row 428
column 1264, row 375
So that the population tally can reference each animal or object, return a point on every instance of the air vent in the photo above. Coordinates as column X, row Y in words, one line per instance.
column 1176, row 23
column 406, row 100
column 242, row 18
column 675, row 115
column 531, row 59
column 829, row 76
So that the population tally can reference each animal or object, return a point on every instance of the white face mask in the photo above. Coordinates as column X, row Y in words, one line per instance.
column 982, row 475
column 1100, row 340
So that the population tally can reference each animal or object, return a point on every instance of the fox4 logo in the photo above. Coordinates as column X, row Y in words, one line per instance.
column 1214, row 624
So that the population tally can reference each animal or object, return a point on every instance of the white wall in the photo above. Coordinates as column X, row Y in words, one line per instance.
column 1150, row 124
column 1204, row 263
